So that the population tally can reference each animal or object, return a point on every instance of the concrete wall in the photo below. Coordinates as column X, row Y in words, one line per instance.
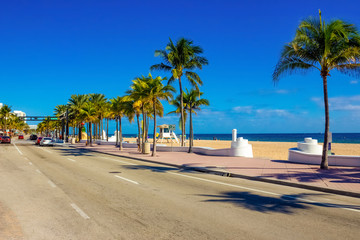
column 334, row 160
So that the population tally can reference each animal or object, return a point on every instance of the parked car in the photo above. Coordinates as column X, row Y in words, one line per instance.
column 5, row 139
column 37, row 142
column 46, row 141
column 21, row 137
column 1, row 137
column 33, row 137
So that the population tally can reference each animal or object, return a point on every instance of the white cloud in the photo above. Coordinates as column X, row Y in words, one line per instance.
column 351, row 103
column 282, row 91
column 243, row 109
column 354, row 82
column 261, row 112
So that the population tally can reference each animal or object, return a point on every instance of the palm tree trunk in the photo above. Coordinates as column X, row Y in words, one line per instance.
column 107, row 129
column 139, row 130
column 102, row 128
column 143, row 129
column 120, row 144
column 79, row 133
column 182, row 114
column 117, row 131
column 324, row 159
column 90, row 135
column 191, row 132
column 154, row 137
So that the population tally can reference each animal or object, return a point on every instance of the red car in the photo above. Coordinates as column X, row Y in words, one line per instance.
column 5, row 139
column 21, row 137
column 38, row 141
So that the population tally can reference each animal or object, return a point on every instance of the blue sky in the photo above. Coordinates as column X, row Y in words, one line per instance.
column 52, row 49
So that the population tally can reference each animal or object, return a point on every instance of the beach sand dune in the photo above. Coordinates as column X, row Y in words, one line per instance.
column 272, row 150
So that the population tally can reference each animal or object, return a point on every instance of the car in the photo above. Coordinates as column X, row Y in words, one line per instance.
column 46, row 141
column 21, row 137
column 37, row 142
column 33, row 137
column 1, row 137
column 5, row 139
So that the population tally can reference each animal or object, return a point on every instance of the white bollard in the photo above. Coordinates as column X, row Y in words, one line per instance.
column 234, row 135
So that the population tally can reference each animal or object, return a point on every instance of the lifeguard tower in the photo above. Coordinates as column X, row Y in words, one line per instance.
column 167, row 132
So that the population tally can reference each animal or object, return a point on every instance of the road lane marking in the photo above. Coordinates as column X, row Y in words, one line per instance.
column 226, row 184
column 116, row 160
column 38, row 170
column 26, row 158
column 30, row 163
column 51, row 183
column 45, row 150
column 71, row 159
column 79, row 211
column 126, row 179
column 17, row 149
column 266, row 192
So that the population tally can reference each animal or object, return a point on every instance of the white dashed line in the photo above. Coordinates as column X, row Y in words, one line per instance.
column 79, row 211
column 119, row 161
column 270, row 193
column 30, row 163
column 126, row 179
column 45, row 150
column 37, row 170
column 17, row 149
column 71, row 159
column 51, row 183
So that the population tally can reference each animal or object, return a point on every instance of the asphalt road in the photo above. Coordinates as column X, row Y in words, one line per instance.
column 66, row 193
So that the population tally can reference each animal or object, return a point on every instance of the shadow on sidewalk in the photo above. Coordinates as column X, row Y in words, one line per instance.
column 74, row 152
column 285, row 204
column 351, row 175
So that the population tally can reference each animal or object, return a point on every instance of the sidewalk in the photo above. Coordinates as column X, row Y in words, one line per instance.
column 339, row 180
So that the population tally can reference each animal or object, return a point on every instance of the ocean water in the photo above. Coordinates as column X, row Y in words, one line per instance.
column 277, row 137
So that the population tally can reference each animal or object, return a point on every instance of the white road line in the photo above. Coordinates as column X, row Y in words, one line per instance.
column 71, row 159
column 270, row 193
column 126, row 179
column 226, row 184
column 30, row 163
column 119, row 161
column 26, row 158
column 17, row 149
column 79, row 211
column 51, row 183
column 45, row 150
column 38, row 170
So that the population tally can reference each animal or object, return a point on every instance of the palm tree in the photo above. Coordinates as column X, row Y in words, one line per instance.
column 76, row 103
column 89, row 114
column 176, row 103
column 99, row 100
column 192, row 104
column 5, row 113
column 137, row 93
column 325, row 47
column 181, row 59
column 155, row 91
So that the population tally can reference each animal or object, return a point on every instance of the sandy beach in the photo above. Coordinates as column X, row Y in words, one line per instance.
column 272, row 150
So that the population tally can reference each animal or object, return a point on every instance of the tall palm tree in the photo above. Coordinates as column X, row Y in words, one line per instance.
column 89, row 114
column 117, row 107
column 76, row 103
column 5, row 113
column 99, row 100
column 155, row 91
column 176, row 103
column 325, row 47
column 192, row 102
column 181, row 59
column 137, row 93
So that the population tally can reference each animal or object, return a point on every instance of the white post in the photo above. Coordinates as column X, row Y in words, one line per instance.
column 234, row 135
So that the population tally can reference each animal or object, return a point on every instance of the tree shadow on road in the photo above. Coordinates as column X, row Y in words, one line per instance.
column 74, row 152
column 286, row 204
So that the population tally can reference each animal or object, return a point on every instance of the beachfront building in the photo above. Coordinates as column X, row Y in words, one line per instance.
column 20, row 114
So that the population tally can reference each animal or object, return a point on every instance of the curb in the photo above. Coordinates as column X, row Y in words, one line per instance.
column 235, row 175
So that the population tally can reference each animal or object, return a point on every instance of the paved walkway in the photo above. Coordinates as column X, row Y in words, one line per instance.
column 343, row 180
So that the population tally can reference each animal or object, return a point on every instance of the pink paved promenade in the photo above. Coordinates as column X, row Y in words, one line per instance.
column 338, row 178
